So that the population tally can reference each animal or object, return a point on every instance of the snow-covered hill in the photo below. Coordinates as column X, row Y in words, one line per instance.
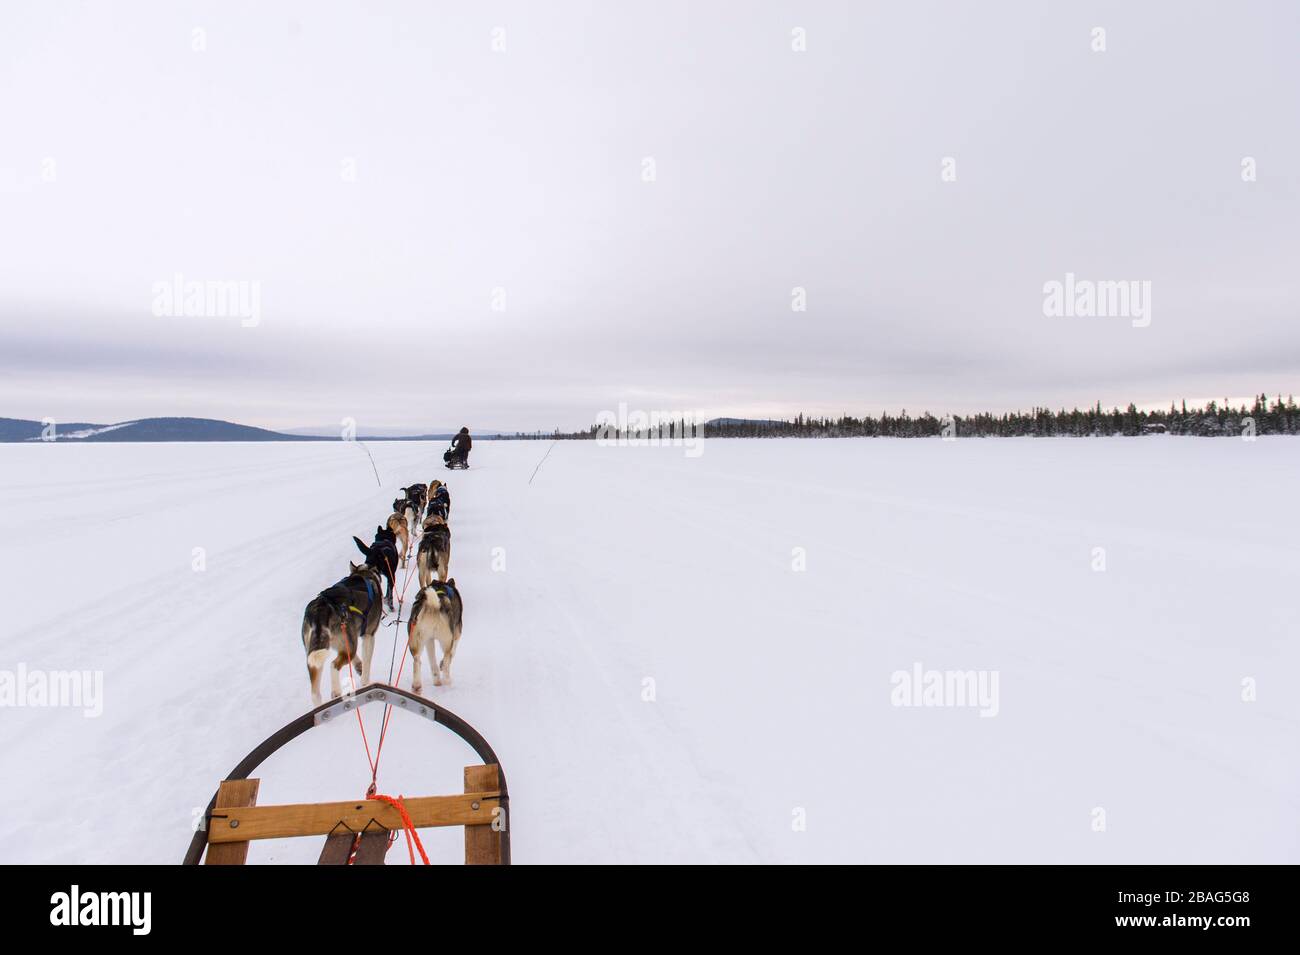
column 774, row 687
column 145, row 429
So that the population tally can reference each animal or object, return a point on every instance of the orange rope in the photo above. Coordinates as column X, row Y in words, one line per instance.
column 373, row 761
column 388, row 709
column 407, row 826
column 365, row 741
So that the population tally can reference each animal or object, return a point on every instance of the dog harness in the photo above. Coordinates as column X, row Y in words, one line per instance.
column 370, row 599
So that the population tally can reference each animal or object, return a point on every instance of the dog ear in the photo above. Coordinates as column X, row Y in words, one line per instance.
column 361, row 547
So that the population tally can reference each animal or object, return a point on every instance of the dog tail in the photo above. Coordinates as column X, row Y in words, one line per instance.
column 316, row 633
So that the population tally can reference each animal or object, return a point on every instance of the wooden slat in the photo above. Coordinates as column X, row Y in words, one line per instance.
column 318, row 819
column 483, row 843
column 231, row 794
column 337, row 848
column 373, row 848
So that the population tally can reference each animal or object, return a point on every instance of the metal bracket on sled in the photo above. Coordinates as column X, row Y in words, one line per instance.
column 376, row 693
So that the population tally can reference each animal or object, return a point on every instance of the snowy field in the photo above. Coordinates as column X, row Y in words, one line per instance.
column 1119, row 690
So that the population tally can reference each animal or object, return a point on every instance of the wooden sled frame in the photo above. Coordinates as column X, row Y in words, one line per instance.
column 233, row 819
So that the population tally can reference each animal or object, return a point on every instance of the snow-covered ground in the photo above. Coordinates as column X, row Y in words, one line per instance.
column 1119, row 690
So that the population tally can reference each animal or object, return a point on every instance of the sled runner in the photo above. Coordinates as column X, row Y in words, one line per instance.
column 362, row 830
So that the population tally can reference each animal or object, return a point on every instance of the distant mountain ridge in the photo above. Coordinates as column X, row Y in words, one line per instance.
column 17, row 429
column 143, row 429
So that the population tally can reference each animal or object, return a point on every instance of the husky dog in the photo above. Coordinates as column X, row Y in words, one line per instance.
column 434, row 553
column 406, row 508
column 438, row 507
column 335, row 621
column 438, row 489
column 382, row 555
column 435, row 618
column 416, row 494
column 398, row 524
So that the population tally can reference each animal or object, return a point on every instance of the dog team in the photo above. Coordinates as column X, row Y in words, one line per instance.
column 339, row 624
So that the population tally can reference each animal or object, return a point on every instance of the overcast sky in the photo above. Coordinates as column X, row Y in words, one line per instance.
column 378, row 169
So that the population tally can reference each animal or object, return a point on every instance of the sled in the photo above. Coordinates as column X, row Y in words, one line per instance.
column 358, row 832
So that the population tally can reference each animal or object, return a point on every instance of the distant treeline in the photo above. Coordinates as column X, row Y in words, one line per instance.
column 1214, row 420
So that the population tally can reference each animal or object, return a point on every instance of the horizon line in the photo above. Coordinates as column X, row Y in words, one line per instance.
column 417, row 432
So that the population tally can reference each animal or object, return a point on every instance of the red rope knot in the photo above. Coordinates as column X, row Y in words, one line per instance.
column 407, row 826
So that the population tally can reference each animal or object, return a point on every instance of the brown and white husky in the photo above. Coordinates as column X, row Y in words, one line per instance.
column 435, row 618
column 405, row 507
column 397, row 523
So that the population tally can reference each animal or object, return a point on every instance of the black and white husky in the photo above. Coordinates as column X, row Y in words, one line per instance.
column 417, row 494
column 435, row 618
column 437, row 507
column 434, row 554
column 336, row 622
column 438, row 490
column 382, row 555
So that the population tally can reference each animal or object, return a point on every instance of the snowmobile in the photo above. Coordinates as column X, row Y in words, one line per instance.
column 361, row 831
